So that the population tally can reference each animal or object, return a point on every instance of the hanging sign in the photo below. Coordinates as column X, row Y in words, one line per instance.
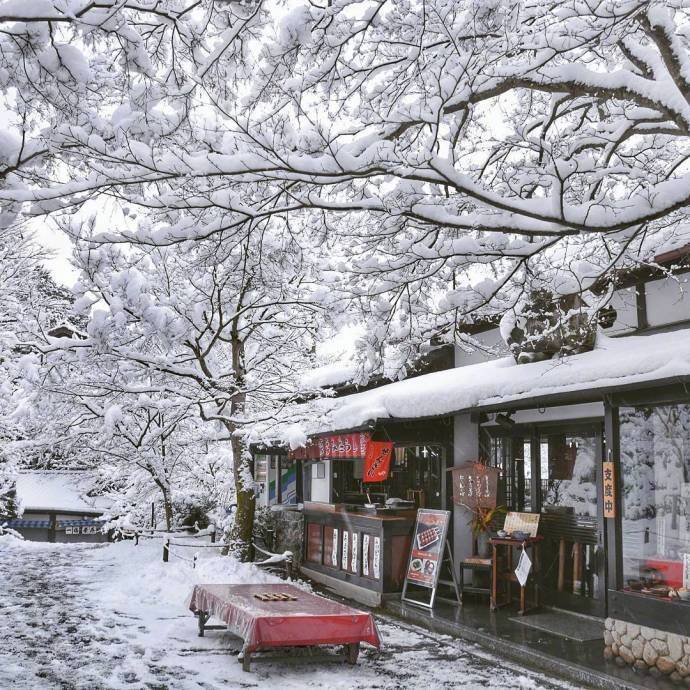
column 346, row 550
column 475, row 485
column 609, row 474
column 377, row 558
column 334, row 548
column 335, row 447
column 377, row 461
column 365, row 555
column 427, row 547
column 523, row 567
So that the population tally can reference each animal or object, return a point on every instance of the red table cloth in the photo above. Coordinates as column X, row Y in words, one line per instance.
column 309, row 620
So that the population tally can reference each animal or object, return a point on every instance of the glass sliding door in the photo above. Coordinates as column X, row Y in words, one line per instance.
column 512, row 456
column 571, row 522
column 554, row 469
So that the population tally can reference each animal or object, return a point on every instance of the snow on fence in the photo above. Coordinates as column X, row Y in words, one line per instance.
column 168, row 544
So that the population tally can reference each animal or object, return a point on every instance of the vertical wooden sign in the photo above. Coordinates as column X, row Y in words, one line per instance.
column 609, row 475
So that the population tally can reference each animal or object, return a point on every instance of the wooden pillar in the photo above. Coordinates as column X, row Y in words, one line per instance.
column 614, row 544
column 279, row 481
column 561, row 565
column 577, row 568
column 536, row 470
column 299, row 481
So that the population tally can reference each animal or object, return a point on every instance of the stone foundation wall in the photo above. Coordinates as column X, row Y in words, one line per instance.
column 648, row 650
column 289, row 525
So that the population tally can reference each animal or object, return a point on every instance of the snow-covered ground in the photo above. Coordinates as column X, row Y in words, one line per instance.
column 78, row 617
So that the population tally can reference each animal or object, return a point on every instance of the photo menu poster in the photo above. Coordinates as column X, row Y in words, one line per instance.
column 428, row 542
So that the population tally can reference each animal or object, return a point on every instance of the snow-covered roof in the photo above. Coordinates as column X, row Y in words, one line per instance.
column 54, row 490
column 330, row 375
column 614, row 362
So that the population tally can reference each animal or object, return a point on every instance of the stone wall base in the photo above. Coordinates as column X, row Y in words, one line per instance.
column 289, row 526
column 648, row 650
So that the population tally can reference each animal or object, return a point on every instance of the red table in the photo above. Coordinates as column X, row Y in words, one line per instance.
column 306, row 621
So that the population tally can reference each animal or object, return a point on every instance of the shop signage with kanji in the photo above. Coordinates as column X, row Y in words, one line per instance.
column 475, row 485
column 334, row 447
column 377, row 461
column 609, row 475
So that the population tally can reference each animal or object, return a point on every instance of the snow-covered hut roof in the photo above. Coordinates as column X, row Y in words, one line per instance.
column 614, row 363
column 55, row 490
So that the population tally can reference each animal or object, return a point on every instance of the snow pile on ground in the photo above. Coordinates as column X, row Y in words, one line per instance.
column 114, row 616
column 614, row 362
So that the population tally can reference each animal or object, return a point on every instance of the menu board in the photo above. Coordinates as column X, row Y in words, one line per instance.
column 428, row 542
column 522, row 522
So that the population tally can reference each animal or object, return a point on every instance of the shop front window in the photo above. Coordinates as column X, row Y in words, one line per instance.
column 655, row 481
column 415, row 474
column 260, row 468
column 568, row 474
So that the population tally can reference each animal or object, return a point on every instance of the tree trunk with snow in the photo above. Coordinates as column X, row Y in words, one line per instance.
column 240, row 537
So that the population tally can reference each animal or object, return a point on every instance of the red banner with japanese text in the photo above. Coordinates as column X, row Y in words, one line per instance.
column 377, row 461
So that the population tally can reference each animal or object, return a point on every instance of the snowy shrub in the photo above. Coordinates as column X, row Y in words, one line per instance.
column 192, row 509
column 546, row 325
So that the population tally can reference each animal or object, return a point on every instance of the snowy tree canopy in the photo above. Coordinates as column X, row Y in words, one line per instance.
column 449, row 153
column 283, row 167
column 217, row 333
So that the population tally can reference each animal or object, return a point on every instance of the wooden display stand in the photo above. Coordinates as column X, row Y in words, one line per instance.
column 502, row 567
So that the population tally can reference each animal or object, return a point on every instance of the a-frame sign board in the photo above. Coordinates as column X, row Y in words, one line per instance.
column 429, row 555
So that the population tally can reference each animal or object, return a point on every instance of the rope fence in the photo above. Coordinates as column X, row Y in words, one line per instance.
column 137, row 534
column 167, row 551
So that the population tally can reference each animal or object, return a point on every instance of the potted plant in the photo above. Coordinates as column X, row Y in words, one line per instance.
column 481, row 527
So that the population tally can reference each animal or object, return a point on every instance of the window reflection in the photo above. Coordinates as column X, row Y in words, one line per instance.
column 655, row 468
column 568, row 474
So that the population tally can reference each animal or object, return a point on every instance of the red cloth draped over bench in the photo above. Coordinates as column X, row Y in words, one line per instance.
column 309, row 620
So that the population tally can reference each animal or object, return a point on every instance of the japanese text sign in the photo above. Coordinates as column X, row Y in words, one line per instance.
column 475, row 485
column 377, row 461
column 609, row 483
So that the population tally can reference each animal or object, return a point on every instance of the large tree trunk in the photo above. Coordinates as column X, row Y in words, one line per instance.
column 240, row 542
column 167, row 504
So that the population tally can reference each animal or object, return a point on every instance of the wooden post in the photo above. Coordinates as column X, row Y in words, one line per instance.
column 494, row 577
column 153, row 515
column 194, row 562
column 613, row 536
column 166, row 549
column 577, row 567
column 561, row 565
column 213, row 534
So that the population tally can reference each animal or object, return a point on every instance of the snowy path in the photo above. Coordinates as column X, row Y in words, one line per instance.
column 112, row 617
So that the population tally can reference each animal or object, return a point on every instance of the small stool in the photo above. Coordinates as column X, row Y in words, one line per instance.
column 475, row 563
